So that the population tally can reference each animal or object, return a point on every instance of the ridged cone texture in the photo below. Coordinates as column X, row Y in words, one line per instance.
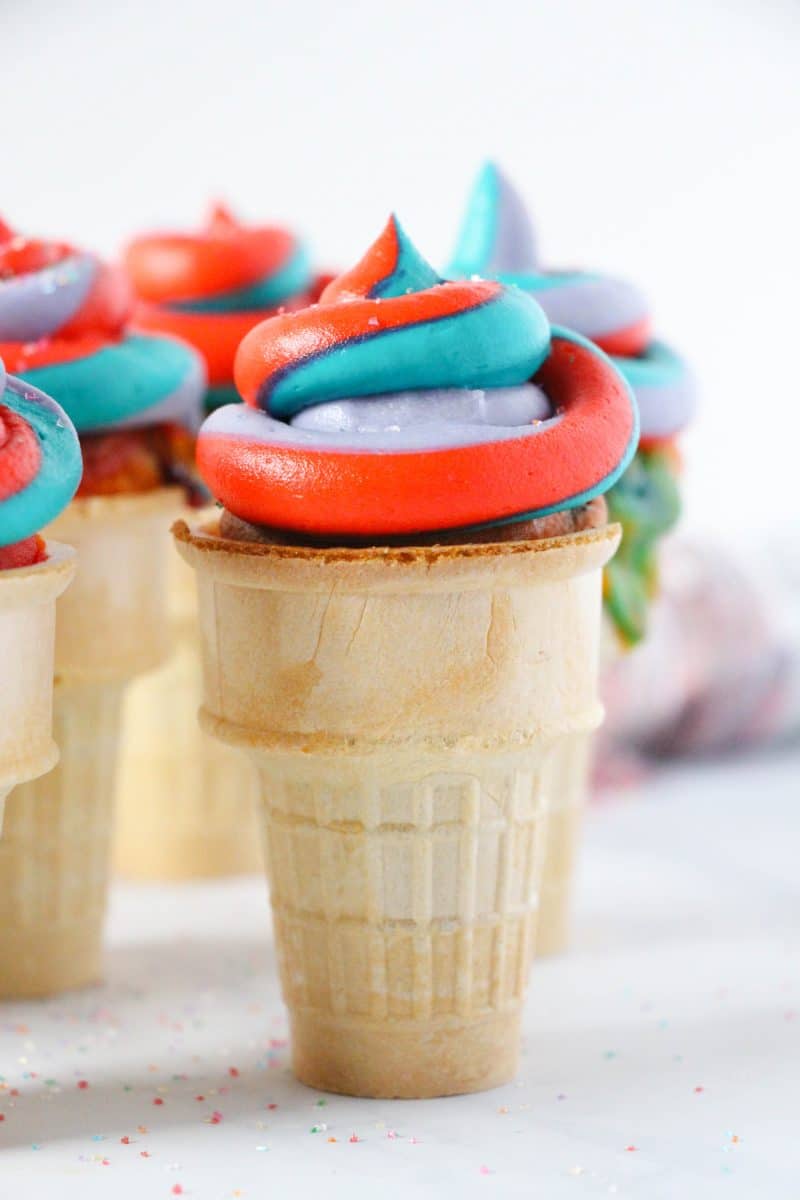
column 402, row 708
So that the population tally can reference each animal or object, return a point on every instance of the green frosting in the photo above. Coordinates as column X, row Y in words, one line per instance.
column 646, row 503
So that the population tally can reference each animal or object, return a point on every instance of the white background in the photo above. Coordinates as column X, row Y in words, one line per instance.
column 658, row 141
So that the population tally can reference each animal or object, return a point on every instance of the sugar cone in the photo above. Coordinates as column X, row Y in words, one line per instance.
column 27, row 631
column 185, row 802
column 401, row 706
column 110, row 625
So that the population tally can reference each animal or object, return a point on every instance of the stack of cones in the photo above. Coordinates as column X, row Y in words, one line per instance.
column 402, row 707
column 111, row 624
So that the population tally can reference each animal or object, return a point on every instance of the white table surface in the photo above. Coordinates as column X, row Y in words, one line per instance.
column 662, row 1055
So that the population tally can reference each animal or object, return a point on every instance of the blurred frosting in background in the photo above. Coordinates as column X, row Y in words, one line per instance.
column 212, row 285
column 65, row 327
column 497, row 241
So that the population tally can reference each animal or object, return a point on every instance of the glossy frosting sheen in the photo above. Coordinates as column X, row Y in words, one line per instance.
column 40, row 460
column 63, row 328
column 213, row 286
column 403, row 403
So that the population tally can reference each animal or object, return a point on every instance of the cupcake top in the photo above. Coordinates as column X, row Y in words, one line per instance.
column 64, row 328
column 40, row 468
column 211, row 286
column 402, row 403
column 497, row 240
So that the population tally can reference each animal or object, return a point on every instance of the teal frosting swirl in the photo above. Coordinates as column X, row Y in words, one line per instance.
column 485, row 336
column 138, row 381
column 33, row 507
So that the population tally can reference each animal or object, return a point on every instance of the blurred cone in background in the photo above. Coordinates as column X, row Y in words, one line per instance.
column 111, row 625
column 186, row 804
column 27, row 635
column 403, row 757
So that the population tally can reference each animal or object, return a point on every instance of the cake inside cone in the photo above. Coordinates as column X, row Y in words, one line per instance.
column 133, row 461
column 26, row 553
column 592, row 515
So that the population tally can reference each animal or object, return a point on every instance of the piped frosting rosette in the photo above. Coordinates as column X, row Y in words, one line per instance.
column 63, row 328
column 40, row 468
column 403, row 404
column 497, row 241
column 213, row 286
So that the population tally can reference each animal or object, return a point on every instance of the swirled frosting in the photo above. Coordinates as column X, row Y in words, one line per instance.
column 64, row 329
column 40, row 467
column 213, row 286
column 403, row 403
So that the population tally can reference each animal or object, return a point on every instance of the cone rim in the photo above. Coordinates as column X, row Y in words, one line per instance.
column 206, row 538
column 40, row 582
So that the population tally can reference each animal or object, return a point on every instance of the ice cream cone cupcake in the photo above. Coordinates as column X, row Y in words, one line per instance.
column 40, row 466
column 400, row 607
column 131, row 398
column 497, row 241
column 210, row 288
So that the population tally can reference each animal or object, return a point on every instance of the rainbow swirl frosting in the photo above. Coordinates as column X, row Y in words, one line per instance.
column 40, row 460
column 63, row 329
column 403, row 404
column 213, row 286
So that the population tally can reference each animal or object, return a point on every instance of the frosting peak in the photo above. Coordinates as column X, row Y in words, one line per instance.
column 391, row 325
column 497, row 236
column 391, row 267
